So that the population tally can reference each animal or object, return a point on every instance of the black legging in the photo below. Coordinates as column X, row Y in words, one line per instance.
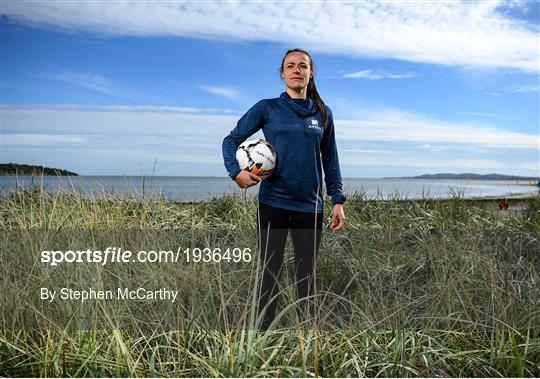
column 274, row 227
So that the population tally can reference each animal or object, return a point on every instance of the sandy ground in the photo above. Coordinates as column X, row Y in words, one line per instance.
column 515, row 204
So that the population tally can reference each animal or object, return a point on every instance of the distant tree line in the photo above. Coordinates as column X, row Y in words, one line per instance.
column 10, row 169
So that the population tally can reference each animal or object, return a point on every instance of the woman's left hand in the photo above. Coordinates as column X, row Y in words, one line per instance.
column 338, row 217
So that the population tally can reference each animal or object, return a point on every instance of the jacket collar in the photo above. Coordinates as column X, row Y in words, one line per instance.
column 303, row 108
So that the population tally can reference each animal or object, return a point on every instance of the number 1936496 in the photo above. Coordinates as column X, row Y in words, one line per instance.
column 208, row 255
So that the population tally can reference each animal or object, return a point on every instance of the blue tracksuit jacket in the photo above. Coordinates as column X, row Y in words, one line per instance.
column 303, row 147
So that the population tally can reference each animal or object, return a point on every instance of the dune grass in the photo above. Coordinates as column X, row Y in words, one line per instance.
column 410, row 288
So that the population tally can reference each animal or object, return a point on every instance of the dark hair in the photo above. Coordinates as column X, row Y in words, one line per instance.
column 312, row 88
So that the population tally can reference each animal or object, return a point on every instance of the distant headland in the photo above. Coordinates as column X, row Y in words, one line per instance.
column 470, row 176
column 12, row 169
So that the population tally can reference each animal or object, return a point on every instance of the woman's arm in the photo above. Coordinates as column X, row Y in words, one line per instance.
column 332, row 174
column 249, row 123
column 330, row 161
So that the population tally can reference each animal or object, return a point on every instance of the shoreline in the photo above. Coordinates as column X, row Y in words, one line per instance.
column 510, row 197
column 192, row 194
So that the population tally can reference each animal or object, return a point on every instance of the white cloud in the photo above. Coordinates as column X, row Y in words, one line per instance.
column 384, row 124
column 95, row 82
column 228, row 93
column 525, row 88
column 430, row 147
column 35, row 139
column 479, row 114
column 377, row 74
column 395, row 126
column 118, row 108
column 470, row 34
column 133, row 135
column 439, row 164
column 116, row 122
column 461, row 164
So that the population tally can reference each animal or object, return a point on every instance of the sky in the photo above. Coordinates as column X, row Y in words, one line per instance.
column 152, row 88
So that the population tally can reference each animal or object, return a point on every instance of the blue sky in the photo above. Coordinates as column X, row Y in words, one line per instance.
column 115, row 88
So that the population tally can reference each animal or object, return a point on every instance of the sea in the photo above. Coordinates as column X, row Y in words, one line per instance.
column 196, row 189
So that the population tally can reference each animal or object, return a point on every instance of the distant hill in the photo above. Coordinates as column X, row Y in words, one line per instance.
column 11, row 169
column 470, row 176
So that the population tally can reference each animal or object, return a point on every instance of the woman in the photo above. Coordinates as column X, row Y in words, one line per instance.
column 300, row 127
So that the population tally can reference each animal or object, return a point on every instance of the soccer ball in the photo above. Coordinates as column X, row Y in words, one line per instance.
column 257, row 156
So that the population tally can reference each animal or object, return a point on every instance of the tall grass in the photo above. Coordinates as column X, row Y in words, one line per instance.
column 409, row 288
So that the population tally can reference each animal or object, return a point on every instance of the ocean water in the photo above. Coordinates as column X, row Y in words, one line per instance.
column 182, row 188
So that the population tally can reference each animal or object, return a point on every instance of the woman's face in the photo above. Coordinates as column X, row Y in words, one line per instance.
column 296, row 71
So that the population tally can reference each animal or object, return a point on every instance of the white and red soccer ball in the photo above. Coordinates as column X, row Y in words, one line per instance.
column 257, row 157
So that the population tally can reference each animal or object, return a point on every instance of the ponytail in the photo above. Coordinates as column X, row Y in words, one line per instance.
column 314, row 94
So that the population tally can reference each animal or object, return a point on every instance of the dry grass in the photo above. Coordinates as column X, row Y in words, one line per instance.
column 410, row 288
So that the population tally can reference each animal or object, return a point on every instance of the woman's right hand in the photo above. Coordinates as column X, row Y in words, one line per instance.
column 246, row 179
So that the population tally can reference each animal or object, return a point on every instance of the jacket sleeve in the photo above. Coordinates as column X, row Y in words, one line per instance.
column 249, row 123
column 330, row 161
